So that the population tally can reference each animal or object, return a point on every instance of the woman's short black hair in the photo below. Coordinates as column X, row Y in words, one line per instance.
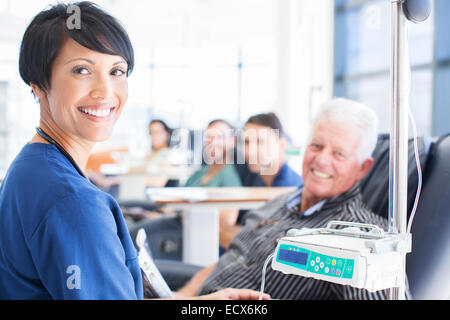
column 44, row 37
column 166, row 127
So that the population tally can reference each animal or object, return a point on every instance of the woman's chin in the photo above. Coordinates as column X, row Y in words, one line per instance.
column 99, row 136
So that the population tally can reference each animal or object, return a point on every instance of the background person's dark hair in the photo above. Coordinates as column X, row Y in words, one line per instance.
column 221, row 120
column 48, row 30
column 269, row 119
column 165, row 125
column 168, row 129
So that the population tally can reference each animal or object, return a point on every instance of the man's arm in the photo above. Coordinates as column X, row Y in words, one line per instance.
column 191, row 288
column 227, row 234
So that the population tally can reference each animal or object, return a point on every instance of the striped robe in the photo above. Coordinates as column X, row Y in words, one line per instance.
column 241, row 266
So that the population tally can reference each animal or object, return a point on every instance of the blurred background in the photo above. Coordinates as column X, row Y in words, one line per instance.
column 197, row 60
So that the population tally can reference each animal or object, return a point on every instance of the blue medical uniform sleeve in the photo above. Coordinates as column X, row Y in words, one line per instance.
column 78, row 252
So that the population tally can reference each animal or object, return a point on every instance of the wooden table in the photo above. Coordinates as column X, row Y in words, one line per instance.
column 201, row 207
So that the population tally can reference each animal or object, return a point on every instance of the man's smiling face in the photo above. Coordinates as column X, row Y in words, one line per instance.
column 330, row 165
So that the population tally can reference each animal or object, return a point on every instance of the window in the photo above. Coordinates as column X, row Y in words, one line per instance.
column 362, row 60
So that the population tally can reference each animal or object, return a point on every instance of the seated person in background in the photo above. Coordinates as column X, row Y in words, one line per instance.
column 264, row 150
column 219, row 170
column 337, row 157
column 160, row 134
column 264, row 143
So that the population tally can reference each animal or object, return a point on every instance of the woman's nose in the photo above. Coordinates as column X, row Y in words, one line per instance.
column 102, row 89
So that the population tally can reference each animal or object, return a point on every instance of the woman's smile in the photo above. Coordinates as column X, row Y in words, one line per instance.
column 98, row 113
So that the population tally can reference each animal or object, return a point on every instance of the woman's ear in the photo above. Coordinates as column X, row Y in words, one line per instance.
column 38, row 92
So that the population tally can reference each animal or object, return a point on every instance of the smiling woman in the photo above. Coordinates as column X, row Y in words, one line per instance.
column 78, row 74
column 52, row 219
column 60, row 236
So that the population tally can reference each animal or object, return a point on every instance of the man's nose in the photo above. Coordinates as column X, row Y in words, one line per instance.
column 323, row 158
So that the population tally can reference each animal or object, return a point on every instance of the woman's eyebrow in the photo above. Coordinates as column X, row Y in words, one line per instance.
column 120, row 61
column 92, row 62
column 84, row 59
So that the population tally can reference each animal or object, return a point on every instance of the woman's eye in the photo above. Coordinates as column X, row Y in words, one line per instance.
column 80, row 70
column 118, row 72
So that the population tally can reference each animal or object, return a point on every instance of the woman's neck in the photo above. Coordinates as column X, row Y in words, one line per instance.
column 78, row 150
column 215, row 167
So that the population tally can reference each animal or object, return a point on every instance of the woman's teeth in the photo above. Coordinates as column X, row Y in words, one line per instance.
column 97, row 113
column 321, row 174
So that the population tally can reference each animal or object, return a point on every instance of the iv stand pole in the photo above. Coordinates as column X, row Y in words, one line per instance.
column 398, row 154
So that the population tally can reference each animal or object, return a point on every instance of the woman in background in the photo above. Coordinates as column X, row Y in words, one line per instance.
column 219, row 169
column 160, row 134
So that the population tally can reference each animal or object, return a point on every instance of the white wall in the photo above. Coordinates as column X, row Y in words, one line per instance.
column 305, row 61
column 286, row 48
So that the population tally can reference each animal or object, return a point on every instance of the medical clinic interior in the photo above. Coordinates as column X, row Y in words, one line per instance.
column 224, row 149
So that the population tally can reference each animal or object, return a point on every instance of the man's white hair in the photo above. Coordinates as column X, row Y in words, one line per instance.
column 354, row 116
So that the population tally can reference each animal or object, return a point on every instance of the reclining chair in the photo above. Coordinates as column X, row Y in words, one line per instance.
column 429, row 261
column 430, row 255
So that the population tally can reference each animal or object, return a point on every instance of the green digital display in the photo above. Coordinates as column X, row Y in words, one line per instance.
column 314, row 262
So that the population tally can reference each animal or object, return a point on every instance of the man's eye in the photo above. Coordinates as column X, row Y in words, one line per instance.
column 340, row 155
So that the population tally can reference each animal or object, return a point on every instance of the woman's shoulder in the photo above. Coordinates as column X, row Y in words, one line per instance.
column 41, row 172
column 36, row 185
column 41, row 166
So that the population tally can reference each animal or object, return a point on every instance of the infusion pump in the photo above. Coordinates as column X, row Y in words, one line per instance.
column 359, row 255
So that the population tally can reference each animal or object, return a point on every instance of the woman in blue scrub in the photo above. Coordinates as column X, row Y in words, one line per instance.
column 60, row 236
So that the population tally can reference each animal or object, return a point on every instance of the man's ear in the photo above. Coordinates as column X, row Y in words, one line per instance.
column 365, row 167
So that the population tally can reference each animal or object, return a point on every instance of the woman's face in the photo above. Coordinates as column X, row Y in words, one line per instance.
column 159, row 136
column 218, row 139
column 88, row 91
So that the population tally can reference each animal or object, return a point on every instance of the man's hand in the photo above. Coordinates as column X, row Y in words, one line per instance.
column 234, row 294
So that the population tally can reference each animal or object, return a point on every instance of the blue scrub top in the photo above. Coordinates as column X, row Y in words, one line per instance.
column 286, row 177
column 60, row 236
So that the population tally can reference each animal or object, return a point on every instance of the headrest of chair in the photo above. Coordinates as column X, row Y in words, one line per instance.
column 375, row 185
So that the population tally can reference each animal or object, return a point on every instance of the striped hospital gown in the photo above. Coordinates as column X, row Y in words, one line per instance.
column 241, row 266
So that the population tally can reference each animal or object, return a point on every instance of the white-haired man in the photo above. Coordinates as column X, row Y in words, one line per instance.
column 337, row 156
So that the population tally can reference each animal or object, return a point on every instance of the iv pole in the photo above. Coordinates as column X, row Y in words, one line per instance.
column 415, row 11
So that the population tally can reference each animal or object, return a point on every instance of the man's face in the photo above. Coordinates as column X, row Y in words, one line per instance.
column 330, row 165
column 262, row 146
